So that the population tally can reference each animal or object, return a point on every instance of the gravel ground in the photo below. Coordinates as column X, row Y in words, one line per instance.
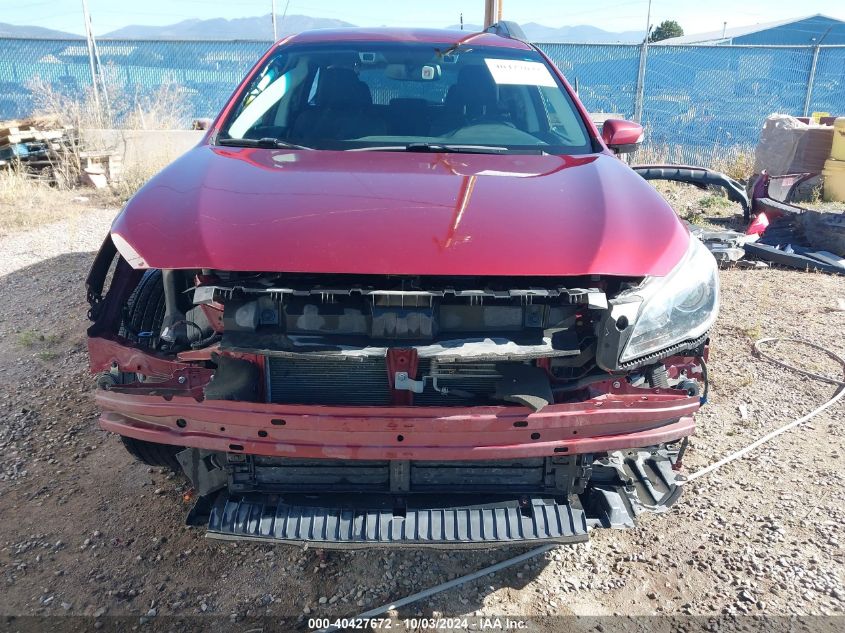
column 86, row 531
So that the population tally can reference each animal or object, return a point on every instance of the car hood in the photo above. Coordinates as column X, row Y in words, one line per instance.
column 397, row 213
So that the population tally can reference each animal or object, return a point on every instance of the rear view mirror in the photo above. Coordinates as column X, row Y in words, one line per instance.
column 622, row 136
column 413, row 72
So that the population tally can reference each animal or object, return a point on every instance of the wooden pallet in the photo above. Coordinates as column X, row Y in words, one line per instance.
column 12, row 136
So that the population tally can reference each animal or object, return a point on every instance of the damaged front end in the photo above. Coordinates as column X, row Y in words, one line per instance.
column 362, row 410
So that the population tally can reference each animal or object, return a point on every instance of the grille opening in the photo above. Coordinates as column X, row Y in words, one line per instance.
column 365, row 382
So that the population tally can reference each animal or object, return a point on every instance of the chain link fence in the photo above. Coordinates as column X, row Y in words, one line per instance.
column 696, row 100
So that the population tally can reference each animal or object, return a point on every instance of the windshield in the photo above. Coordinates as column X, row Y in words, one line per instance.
column 408, row 96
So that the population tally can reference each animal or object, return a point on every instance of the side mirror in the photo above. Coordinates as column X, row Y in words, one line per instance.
column 621, row 136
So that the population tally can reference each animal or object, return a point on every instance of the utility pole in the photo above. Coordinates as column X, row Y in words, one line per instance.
column 92, row 62
column 491, row 10
column 724, row 28
column 273, row 19
column 638, row 100
column 462, row 21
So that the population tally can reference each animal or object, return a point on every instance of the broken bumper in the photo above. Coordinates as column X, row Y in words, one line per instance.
column 624, row 485
column 606, row 423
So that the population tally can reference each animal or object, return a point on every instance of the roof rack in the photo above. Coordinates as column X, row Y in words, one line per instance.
column 508, row 29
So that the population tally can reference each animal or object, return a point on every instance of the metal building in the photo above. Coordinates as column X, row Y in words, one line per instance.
column 808, row 31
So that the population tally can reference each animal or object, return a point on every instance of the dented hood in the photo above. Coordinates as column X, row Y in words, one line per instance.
column 400, row 213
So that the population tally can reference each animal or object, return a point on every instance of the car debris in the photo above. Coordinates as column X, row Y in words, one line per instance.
column 700, row 177
column 795, row 236
column 727, row 246
column 778, row 231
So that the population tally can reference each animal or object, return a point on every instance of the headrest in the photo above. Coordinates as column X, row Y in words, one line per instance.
column 341, row 86
column 474, row 89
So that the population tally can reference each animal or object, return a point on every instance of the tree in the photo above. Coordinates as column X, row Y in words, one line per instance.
column 665, row 30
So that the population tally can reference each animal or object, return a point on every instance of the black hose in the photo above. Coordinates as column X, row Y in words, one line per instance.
column 205, row 341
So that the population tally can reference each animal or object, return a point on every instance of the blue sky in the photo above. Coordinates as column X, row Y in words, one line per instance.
column 695, row 16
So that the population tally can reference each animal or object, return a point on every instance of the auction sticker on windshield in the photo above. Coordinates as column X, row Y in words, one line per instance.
column 518, row 72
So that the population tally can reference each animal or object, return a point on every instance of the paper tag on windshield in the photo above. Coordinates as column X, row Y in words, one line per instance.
column 522, row 73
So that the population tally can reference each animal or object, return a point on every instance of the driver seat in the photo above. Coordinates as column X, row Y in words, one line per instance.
column 343, row 110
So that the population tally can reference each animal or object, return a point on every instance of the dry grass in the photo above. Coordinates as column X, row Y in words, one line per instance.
column 118, row 107
column 736, row 161
column 26, row 203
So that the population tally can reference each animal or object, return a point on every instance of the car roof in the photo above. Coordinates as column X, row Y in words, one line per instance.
column 438, row 36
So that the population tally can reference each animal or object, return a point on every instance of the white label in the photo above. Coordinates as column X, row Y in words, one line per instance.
column 516, row 72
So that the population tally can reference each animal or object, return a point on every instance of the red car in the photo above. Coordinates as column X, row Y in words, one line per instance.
column 405, row 293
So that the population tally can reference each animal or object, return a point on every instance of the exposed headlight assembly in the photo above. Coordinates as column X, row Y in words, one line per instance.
column 663, row 312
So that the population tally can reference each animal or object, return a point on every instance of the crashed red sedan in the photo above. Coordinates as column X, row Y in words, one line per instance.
column 404, row 293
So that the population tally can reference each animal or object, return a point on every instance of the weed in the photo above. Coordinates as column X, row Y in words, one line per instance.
column 714, row 202
column 30, row 338
column 753, row 332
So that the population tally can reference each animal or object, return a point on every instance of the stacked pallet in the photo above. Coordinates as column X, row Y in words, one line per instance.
column 37, row 144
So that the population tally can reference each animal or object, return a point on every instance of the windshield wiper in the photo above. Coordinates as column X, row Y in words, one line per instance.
column 456, row 149
column 435, row 148
column 266, row 142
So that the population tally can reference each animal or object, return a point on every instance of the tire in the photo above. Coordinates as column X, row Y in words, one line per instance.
column 144, row 310
column 153, row 454
column 145, row 313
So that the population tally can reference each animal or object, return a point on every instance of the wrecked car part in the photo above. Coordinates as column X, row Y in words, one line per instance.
column 256, row 450
column 293, row 520
column 726, row 246
column 799, row 257
column 234, row 379
column 524, row 384
column 556, row 500
column 174, row 329
column 700, row 177
column 203, row 469
column 662, row 314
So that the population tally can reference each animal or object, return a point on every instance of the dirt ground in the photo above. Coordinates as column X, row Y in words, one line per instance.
column 85, row 530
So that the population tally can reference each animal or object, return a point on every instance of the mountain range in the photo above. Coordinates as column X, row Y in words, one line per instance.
column 260, row 28
column 35, row 32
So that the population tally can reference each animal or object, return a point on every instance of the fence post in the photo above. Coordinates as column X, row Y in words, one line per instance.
column 638, row 99
column 811, row 79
